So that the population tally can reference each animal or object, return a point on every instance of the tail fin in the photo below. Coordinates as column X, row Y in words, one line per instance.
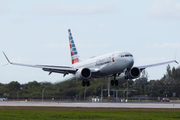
column 74, row 53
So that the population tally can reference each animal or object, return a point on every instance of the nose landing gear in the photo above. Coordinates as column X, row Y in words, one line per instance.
column 85, row 82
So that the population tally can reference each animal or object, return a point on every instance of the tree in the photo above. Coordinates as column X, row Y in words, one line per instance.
column 144, row 74
column 169, row 80
column 142, row 81
column 33, row 84
column 14, row 86
column 174, row 73
column 169, row 72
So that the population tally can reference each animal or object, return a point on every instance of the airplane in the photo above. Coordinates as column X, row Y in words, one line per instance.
column 117, row 64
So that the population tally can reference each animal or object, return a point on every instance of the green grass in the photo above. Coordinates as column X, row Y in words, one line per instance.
column 54, row 113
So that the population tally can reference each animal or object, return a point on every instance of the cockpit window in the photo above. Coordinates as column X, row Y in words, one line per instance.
column 127, row 55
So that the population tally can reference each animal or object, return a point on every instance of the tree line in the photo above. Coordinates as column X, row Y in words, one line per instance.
column 72, row 88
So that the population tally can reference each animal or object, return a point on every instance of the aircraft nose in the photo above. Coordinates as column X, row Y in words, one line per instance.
column 130, row 61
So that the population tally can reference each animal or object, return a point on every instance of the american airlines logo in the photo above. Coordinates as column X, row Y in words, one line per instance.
column 103, row 61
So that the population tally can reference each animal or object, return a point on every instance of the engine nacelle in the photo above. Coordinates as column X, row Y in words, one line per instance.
column 133, row 73
column 83, row 74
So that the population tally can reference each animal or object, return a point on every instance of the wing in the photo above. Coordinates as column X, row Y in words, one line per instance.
column 157, row 64
column 57, row 69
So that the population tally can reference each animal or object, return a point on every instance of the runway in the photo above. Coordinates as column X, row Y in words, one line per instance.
column 90, row 104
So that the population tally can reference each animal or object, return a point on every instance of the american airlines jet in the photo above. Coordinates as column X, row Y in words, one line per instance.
column 117, row 64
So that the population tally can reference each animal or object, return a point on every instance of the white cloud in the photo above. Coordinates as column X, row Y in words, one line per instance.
column 60, row 9
column 165, row 45
column 164, row 9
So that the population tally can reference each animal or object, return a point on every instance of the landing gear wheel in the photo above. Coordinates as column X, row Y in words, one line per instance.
column 116, row 82
column 87, row 83
column 83, row 83
column 112, row 82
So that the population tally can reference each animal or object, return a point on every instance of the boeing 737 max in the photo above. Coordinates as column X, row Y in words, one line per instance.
column 117, row 64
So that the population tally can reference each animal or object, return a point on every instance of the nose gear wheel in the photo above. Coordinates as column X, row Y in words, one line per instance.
column 85, row 83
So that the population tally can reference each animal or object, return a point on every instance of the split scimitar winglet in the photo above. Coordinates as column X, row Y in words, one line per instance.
column 7, row 58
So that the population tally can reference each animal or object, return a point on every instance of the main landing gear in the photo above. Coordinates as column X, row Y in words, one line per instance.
column 85, row 82
column 114, row 81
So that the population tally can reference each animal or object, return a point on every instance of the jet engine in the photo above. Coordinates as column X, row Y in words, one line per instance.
column 83, row 74
column 133, row 73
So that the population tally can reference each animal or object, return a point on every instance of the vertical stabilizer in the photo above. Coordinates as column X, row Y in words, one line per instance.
column 74, row 53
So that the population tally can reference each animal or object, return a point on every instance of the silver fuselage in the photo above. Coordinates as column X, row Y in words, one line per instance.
column 108, row 64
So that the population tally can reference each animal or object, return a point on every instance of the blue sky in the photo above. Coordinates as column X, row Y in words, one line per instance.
column 35, row 32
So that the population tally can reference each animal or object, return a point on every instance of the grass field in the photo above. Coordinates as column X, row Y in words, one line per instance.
column 54, row 113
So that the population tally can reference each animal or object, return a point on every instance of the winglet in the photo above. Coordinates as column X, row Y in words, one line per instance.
column 175, row 57
column 7, row 58
column 176, row 61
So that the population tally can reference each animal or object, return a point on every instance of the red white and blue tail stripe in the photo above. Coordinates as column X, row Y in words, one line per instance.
column 74, row 53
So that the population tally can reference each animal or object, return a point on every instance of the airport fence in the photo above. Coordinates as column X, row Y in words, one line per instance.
column 97, row 99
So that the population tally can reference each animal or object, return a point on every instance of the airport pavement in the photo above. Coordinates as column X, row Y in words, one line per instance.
column 90, row 104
